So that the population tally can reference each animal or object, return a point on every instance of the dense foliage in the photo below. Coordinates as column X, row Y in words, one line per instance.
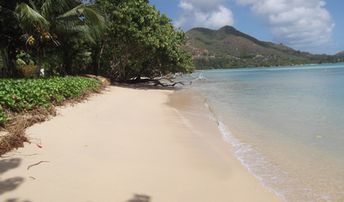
column 120, row 39
column 140, row 42
column 28, row 94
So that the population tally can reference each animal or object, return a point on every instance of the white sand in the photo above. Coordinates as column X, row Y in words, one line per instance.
column 121, row 143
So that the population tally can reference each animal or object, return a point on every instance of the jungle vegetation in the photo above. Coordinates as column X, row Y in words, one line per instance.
column 121, row 39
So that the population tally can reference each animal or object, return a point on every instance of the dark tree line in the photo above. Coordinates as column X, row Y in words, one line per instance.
column 122, row 39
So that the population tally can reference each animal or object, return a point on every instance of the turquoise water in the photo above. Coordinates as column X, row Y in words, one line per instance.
column 286, row 125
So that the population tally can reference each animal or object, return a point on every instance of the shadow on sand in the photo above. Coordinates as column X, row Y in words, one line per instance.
column 15, row 200
column 7, row 185
column 140, row 198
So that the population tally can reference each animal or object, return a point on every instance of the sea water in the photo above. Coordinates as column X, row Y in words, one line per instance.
column 285, row 124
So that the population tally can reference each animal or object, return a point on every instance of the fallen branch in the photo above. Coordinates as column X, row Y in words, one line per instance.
column 155, row 81
column 36, row 164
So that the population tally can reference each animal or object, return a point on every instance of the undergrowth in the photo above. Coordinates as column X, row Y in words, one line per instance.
column 25, row 95
column 25, row 102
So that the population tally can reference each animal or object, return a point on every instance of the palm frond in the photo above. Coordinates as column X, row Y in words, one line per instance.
column 84, row 19
column 32, row 5
column 51, row 8
column 30, row 18
column 86, row 14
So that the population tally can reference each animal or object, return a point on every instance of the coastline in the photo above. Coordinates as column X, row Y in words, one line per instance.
column 284, row 125
column 125, row 145
column 194, row 108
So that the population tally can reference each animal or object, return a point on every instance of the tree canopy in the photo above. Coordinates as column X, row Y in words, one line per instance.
column 121, row 39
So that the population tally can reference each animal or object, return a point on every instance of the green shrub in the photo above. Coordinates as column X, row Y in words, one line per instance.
column 28, row 94
column 2, row 117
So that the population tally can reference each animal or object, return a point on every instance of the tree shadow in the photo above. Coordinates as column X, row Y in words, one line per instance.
column 11, row 183
column 15, row 200
column 8, row 164
column 140, row 198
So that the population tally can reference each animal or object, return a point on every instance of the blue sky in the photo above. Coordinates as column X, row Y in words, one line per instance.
column 316, row 26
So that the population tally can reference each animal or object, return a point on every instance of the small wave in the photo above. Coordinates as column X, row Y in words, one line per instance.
column 252, row 160
column 269, row 174
column 199, row 78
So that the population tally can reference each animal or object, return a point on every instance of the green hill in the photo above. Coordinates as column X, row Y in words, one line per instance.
column 229, row 48
column 340, row 54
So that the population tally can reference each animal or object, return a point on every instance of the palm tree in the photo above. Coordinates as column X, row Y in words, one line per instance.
column 48, row 22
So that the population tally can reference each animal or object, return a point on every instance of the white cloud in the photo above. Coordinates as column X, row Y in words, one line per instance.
column 205, row 5
column 186, row 6
column 204, row 13
column 302, row 24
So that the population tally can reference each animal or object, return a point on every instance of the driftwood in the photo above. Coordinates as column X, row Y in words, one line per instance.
column 155, row 81
column 36, row 164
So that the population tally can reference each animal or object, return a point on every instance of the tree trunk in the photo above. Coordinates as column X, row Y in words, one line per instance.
column 97, row 54
column 99, row 58
column 39, row 62
column 10, row 60
column 38, row 67
column 4, row 63
column 67, row 63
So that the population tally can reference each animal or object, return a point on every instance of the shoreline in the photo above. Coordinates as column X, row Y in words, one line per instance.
column 127, row 144
column 195, row 106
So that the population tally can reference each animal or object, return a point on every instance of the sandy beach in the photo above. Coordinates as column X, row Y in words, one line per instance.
column 126, row 145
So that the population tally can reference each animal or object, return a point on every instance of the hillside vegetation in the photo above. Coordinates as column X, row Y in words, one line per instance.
column 228, row 47
column 340, row 54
